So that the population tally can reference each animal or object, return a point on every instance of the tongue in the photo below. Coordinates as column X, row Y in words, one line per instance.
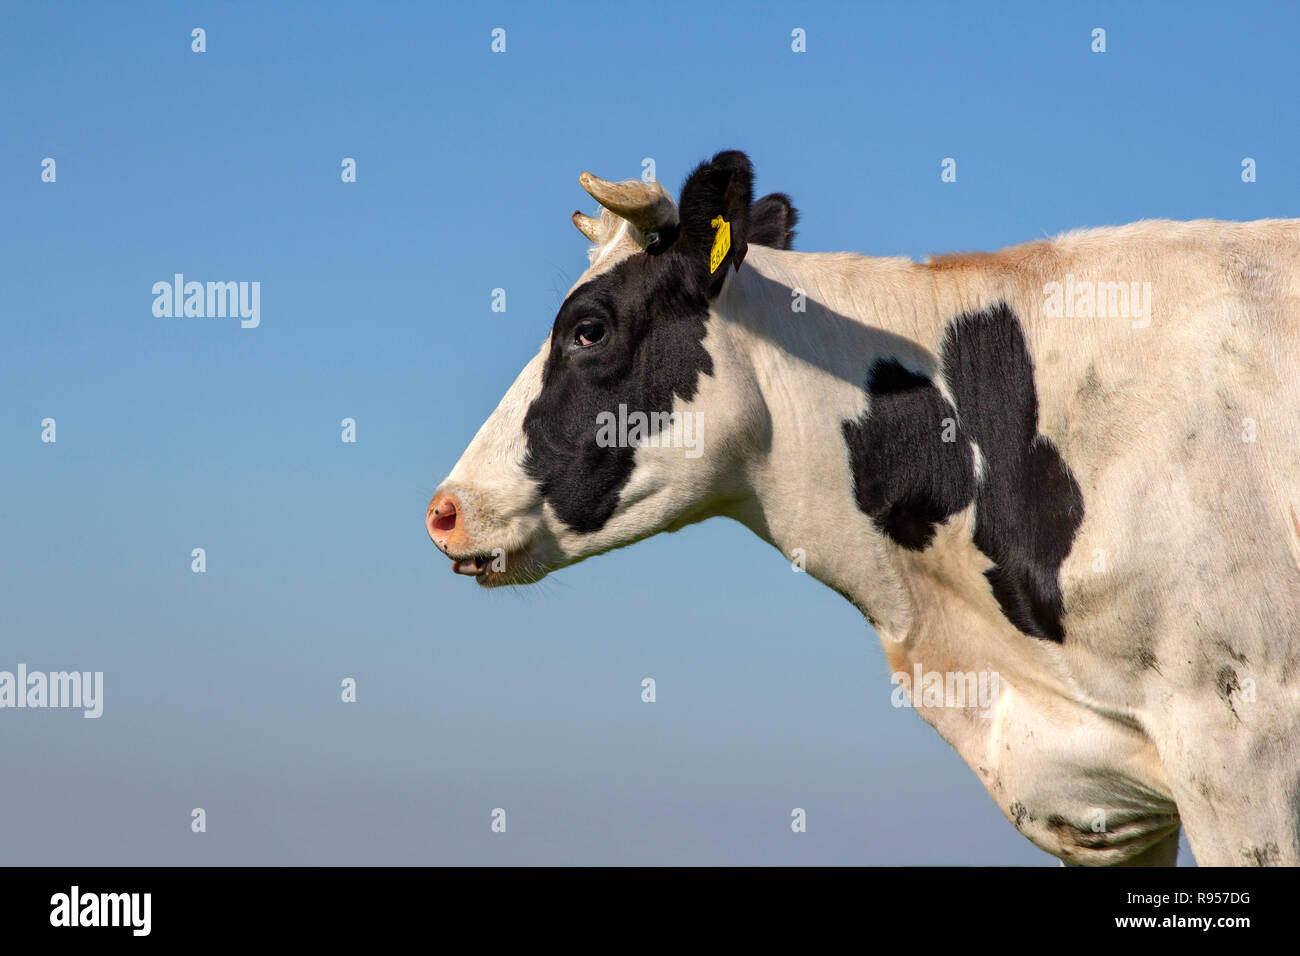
column 467, row 565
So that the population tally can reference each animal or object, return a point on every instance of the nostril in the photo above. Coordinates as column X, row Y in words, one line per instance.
column 442, row 518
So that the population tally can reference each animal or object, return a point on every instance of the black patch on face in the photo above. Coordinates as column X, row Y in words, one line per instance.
column 652, row 309
column 905, row 476
column 654, row 316
column 1028, row 505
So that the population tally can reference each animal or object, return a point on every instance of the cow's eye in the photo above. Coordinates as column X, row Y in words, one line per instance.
column 588, row 333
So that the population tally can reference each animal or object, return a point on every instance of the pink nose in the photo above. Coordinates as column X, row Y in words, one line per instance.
column 443, row 520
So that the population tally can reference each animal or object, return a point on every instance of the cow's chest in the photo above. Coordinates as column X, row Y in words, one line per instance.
column 1081, row 785
column 1077, row 778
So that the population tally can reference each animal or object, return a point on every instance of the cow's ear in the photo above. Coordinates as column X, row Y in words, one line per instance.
column 714, row 211
column 772, row 220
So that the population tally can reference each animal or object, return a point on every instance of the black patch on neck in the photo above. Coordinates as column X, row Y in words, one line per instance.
column 905, row 476
column 1028, row 505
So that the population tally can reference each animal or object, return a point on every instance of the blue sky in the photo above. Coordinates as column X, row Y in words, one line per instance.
column 222, row 688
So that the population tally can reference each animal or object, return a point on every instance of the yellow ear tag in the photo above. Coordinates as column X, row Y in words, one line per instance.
column 721, row 243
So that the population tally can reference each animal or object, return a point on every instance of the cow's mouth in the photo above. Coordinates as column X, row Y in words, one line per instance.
column 501, row 567
column 475, row 565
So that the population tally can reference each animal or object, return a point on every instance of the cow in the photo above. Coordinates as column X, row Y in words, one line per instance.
column 1072, row 466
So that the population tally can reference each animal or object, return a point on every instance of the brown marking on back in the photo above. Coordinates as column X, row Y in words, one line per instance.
column 1011, row 259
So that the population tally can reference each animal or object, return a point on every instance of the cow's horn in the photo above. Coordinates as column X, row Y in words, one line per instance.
column 588, row 226
column 645, row 205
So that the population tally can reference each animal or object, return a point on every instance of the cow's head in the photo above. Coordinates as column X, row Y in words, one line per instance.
column 609, row 434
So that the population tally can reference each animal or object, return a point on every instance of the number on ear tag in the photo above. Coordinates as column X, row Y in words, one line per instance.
column 721, row 243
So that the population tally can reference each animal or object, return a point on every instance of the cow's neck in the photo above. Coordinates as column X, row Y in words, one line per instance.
column 811, row 326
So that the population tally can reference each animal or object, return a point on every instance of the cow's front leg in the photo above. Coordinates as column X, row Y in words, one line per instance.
column 1233, row 761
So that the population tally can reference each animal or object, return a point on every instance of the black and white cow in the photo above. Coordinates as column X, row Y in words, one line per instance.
column 1073, row 465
